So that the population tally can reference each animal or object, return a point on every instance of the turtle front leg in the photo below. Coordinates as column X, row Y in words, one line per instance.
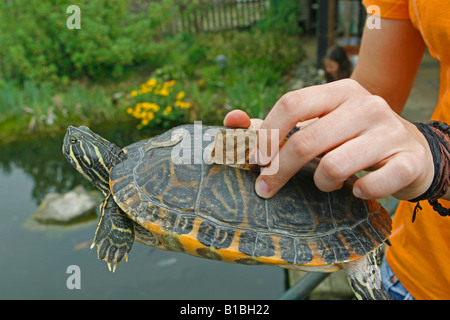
column 365, row 277
column 114, row 236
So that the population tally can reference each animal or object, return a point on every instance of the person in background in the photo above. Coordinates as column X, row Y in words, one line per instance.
column 336, row 64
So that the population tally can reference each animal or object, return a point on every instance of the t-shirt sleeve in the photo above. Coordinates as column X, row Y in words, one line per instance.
column 389, row 9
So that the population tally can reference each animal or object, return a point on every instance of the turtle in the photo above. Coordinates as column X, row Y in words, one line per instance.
column 160, row 192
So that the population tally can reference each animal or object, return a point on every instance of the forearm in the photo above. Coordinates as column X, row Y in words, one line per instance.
column 388, row 61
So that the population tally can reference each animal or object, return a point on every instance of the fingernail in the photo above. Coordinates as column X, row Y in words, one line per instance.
column 261, row 188
column 358, row 193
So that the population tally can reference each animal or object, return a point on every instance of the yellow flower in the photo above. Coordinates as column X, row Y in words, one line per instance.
column 180, row 95
column 164, row 92
column 144, row 88
column 170, row 83
column 136, row 114
column 151, row 82
column 183, row 105
column 154, row 107
column 167, row 110
column 161, row 92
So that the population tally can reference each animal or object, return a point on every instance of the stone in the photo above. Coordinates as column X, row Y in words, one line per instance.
column 69, row 207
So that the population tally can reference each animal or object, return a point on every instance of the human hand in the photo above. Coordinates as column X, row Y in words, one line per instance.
column 355, row 131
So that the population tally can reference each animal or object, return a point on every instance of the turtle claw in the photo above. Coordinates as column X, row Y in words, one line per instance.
column 111, row 253
column 114, row 266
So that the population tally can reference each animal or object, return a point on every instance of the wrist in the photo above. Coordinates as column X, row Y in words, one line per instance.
column 439, row 143
column 437, row 135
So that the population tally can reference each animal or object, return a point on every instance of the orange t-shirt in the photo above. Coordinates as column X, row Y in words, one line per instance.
column 420, row 251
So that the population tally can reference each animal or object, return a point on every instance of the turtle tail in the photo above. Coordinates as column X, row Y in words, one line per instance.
column 365, row 277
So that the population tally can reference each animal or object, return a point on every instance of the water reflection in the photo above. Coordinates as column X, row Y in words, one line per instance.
column 44, row 162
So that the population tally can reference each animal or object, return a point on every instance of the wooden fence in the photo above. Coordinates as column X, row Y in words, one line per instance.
column 347, row 16
column 215, row 15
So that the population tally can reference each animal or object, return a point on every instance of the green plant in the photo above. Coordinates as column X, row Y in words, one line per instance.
column 36, row 44
column 282, row 17
column 253, row 95
column 252, row 78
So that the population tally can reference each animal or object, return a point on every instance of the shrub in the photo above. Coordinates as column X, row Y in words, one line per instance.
column 36, row 44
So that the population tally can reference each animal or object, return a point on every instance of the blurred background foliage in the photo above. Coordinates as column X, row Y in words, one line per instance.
column 51, row 75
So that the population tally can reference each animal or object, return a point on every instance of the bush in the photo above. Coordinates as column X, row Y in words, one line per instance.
column 36, row 44
column 282, row 16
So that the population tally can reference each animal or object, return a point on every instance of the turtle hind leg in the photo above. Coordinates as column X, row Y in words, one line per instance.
column 115, row 234
column 365, row 277
column 146, row 237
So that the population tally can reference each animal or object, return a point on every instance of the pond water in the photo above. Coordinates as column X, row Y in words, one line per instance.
column 34, row 258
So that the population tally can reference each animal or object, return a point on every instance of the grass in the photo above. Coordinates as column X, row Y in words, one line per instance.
column 32, row 108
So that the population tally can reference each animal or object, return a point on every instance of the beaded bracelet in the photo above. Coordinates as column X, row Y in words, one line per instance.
column 438, row 136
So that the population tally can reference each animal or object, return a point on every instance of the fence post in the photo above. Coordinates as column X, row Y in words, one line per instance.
column 322, row 31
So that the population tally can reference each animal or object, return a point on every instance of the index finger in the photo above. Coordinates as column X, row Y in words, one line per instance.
column 302, row 105
column 240, row 119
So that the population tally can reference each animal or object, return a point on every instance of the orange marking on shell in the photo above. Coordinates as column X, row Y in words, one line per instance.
column 232, row 254
column 113, row 182
column 353, row 255
column 372, row 205
column 368, row 234
column 317, row 259
column 155, row 227
column 189, row 241
column 276, row 258
column 382, row 222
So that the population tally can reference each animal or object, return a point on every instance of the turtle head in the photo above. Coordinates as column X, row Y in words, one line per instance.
column 91, row 155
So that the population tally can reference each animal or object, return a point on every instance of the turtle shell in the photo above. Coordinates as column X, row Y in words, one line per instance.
column 212, row 211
